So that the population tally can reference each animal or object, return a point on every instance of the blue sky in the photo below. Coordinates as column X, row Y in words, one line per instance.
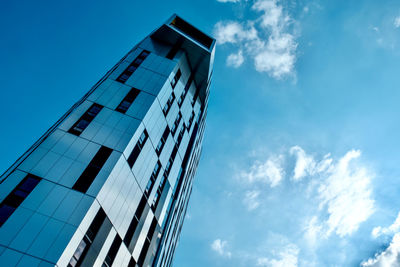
column 300, row 157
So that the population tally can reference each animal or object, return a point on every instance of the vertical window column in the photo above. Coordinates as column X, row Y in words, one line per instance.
column 147, row 242
column 176, row 123
column 185, row 90
column 134, row 223
column 112, row 252
column 181, row 133
column 168, row 105
column 152, row 179
column 176, row 78
column 190, row 121
column 161, row 186
column 162, row 141
column 138, row 147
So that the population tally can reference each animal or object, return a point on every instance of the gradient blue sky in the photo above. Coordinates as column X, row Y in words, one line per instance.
column 300, row 157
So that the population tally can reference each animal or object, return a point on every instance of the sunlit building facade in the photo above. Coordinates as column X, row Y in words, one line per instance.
column 109, row 183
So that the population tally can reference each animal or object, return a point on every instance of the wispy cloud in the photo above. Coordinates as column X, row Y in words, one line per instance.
column 391, row 255
column 344, row 191
column 335, row 195
column 251, row 199
column 390, row 230
column 234, row 32
column 267, row 39
column 306, row 165
column 220, row 246
column 396, row 22
column 269, row 172
column 313, row 231
column 387, row 258
column 235, row 60
column 286, row 257
column 341, row 189
column 347, row 195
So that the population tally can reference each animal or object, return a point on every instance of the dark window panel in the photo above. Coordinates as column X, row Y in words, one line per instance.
column 185, row 90
column 181, row 133
column 83, row 122
column 196, row 94
column 168, row 105
column 133, row 156
column 191, row 121
column 135, row 221
column 155, row 200
column 17, row 196
column 96, row 224
column 149, row 187
column 138, row 147
column 87, row 240
column 131, row 231
column 132, row 67
column 152, row 179
column 128, row 100
column 143, row 138
column 162, row 141
column 176, row 123
column 164, row 178
column 152, row 229
column 141, row 207
column 143, row 253
column 176, row 78
column 132, row 263
column 80, row 252
column 123, row 78
column 89, row 174
column 144, row 54
column 112, row 252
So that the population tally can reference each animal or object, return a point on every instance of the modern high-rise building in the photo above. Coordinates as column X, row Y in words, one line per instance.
column 109, row 183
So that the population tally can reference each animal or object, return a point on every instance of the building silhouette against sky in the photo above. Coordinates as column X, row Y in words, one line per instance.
column 109, row 183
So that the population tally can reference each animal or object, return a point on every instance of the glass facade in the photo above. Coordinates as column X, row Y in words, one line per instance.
column 109, row 183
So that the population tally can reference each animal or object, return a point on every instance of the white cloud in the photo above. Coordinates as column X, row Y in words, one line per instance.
column 305, row 164
column 251, row 199
column 343, row 190
column 270, row 171
column 233, row 32
column 273, row 14
column 388, row 258
column 266, row 40
column 288, row 257
column 395, row 227
column 235, row 60
column 340, row 190
column 220, row 246
column 347, row 195
column 397, row 22
column 313, row 231
column 228, row 1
